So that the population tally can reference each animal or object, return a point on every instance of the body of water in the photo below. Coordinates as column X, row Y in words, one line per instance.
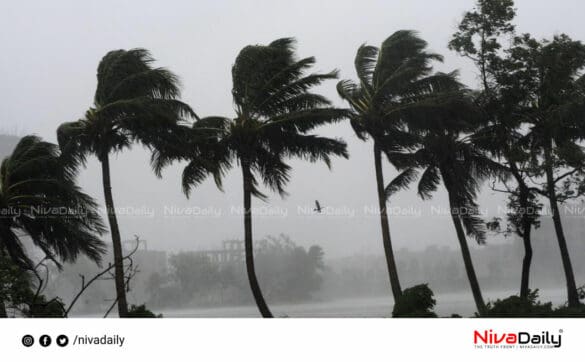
column 374, row 307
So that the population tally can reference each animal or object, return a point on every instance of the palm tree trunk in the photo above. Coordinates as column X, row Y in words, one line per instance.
column 248, row 243
column 116, row 241
column 390, row 262
column 573, row 296
column 469, row 269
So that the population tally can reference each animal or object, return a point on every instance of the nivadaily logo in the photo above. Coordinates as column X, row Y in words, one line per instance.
column 490, row 339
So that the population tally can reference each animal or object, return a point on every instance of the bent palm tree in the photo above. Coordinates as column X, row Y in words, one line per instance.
column 33, row 182
column 274, row 114
column 445, row 153
column 40, row 200
column 134, row 102
column 391, row 81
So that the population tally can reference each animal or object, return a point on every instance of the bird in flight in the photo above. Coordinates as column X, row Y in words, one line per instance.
column 318, row 207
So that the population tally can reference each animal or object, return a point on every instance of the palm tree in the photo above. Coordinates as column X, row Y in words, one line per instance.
column 40, row 200
column 445, row 153
column 134, row 102
column 392, row 80
column 275, row 111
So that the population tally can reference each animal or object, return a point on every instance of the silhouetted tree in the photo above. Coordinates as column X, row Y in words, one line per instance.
column 554, row 101
column 40, row 200
column 134, row 102
column 446, row 154
column 34, row 187
column 479, row 37
column 479, row 34
column 392, row 80
column 275, row 111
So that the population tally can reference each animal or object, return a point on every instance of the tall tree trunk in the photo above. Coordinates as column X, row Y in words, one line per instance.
column 3, row 313
column 573, row 296
column 526, row 232
column 116, row 241
column 248, row 243
column 390, row 261
column 469, row 269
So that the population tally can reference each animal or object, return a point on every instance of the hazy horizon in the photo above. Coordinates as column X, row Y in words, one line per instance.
column 52, row 51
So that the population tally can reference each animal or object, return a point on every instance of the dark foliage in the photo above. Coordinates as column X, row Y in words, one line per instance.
column 40, row 199
column 415, row 302
column 140, row 311
column 517, row 307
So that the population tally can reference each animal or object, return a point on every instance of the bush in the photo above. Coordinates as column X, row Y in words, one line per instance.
column 570, row 312
column 515, row 306
column 415, row 302
column 140, row 311
column 42, row 308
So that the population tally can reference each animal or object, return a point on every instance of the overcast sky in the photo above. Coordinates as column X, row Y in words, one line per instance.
column 48, row 59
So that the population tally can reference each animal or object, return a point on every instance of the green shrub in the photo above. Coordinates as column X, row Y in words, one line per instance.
column 140, row 311
column 415, row 302
column 42, row 308
column 514, row 306
column 570, row 312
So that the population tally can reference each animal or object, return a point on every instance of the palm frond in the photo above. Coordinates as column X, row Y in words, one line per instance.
column 274, row 172
column 365, row 64
column 473, row 224
column 308, row 147
column 157, row 83
column 59, row 218
column 116, row 66
column 401, row 51
column 275, row 100
column 429, row 182
column 306, row 120
column 401, row 182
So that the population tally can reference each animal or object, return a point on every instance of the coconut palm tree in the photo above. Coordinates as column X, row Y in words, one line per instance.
column 445, row 153
column 392, row 80
column 33, row 182
column 274, row 115
column 134, row 102
column 40, row 200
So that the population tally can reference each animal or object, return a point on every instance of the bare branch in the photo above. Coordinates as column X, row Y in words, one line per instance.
column 99, row 276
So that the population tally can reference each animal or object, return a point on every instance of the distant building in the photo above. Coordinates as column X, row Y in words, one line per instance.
column 231, row 251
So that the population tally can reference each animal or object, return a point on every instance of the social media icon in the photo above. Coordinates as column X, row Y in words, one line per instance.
column 45, row 340
column 28, row 340
column 62, row 340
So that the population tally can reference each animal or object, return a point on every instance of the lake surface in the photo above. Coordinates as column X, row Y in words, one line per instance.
column 447, row 304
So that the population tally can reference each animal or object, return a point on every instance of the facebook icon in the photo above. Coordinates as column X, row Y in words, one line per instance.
column 45, row 340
